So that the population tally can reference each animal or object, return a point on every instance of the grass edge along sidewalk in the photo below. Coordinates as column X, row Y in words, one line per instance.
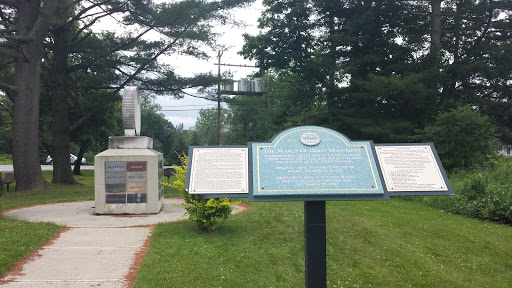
column 392, row 243
column 18, row 239
column 383, row 244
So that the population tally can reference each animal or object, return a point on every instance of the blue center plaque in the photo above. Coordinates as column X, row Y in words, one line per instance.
column 314, row 163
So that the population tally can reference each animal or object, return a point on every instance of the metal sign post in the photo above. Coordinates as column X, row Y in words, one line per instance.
column 315, row 244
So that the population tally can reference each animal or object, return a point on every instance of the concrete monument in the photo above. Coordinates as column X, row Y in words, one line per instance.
column 129, row 175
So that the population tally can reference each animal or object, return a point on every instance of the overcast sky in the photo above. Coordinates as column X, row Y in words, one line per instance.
column 187, row 66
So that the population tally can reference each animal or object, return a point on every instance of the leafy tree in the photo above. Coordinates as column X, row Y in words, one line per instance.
column 462, row 137
column 384, row 68
column 180, row 144
column 206, row 126
column 291, row 100
column 476, row 49
column 93, row 136
column 185, row 27
column 392, row 106
column 249, row 120
column 23, row 29
column 347, row 43
column 154, row 125
column 76, row 52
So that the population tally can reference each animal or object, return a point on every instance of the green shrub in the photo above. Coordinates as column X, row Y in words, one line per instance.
column 495, row 205
column 205, row 212
column 462, row 137
column 486, row 195
column 472, row 186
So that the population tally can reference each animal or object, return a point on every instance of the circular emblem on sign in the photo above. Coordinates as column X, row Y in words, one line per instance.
column 310, row 139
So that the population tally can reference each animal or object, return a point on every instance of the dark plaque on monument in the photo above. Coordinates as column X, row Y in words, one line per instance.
column 136, row 198
column 116, row 198
column 115, row 188
column 136, row 166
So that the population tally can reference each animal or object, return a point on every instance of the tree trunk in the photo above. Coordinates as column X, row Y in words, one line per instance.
column 435, row 26
column 32, row 27
column 60, row 91
column 76, row 170
column 449, row 96
column 332, row 110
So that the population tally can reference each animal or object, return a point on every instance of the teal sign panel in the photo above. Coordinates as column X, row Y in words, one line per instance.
column 314, row 163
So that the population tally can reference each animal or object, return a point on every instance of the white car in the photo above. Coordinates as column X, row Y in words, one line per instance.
column 72, row 159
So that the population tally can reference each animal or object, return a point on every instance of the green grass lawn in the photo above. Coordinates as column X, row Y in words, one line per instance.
column 379, row 244
column 392, row 243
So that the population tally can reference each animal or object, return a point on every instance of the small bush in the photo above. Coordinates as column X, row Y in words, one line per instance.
column 486, row 195
column 463, row 138
column 495, row 205
column 472, row 186
column 205, row 212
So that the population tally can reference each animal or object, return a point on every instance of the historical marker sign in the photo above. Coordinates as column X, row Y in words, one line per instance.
column 314, row 163
column 412, row 169
column 218, row 170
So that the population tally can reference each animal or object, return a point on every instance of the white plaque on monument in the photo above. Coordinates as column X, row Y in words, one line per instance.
column 219, row 170
column 131, row 111
column 410, row 168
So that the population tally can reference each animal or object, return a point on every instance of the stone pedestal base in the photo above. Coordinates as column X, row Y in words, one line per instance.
column 128, row 181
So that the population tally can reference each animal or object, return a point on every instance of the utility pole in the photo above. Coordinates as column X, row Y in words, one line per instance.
column 219, row 55
column 219, row 92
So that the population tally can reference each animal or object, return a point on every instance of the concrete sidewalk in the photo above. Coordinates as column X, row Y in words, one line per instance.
column 81, row 214
column 97, row 251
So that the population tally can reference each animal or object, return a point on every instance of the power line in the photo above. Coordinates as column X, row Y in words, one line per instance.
column 237, row 65
column 184, row 110
column 199, row 105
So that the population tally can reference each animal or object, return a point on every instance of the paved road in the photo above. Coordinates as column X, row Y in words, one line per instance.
column 6, row 168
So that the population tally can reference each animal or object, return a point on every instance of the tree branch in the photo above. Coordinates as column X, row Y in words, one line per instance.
column 82, row 120
column 75, row 42
column 486, row 28
column 18, row 38
column 92, row 22
column 12, row 3
column 124, row 45
column 8, row 89
column 4, row 50
column 6, row 21
column 8, row 30
column 82, row 12
column 6, row 109
column 45, row 15
column 152, row 59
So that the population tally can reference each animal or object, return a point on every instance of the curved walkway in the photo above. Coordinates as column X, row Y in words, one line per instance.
column 81, row 214
column 96, row 251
